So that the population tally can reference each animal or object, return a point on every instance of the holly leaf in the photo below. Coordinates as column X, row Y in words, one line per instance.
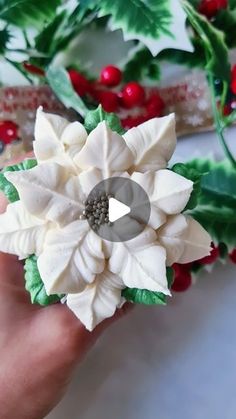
column 194, row 59
column 217, row 201
column 195, row 176
column 60, row 83
column 141, row 65
column 217, row 60
column 146, row 297
column 35, row 286
column 24, row 13
column 157, row 24
column 93, row 118
column 225, row 20
column 5, row 37
column 7, row 187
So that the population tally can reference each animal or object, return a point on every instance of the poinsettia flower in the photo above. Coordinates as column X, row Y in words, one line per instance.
column 48, row 220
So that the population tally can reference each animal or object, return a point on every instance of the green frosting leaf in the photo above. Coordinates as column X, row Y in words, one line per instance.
column 225, row 20
column 24, row 13
column 5, row 37
column 217, row 200
column 93, row 118
column 6, row 187
column 141, row 65
column 34, row 284
column 217, row 60
column 60, row 83
column 146, row 297
column 195, row 176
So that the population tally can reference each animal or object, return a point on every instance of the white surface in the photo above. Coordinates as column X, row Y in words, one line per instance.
column 174, row 362
column 117, row 209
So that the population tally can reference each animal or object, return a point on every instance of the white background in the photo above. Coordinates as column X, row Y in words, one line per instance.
column 174, row 362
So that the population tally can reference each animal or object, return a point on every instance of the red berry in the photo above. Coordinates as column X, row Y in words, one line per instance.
column 210, row 8
column 233, row 72
column 8, row 131
column 79, row 82
column 108, row 100
column 227, row 109
column 110, row 76
column 132, row 95
column 133, row 121
column 208, row 260
column 233, row 86
column 155, row 106
column 183, row 279
column 232, row 256
column 33, row 69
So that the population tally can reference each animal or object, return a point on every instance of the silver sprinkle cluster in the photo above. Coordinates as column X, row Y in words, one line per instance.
column 96, row 211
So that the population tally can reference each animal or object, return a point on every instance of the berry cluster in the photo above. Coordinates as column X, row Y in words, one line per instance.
column 183, row 272
column 210, row 8
column 115, row 97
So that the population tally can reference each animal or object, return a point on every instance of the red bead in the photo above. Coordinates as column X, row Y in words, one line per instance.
column 210, row 8
column 155, row 106
column 79, row 82
column 108, row 100
column 183, row 279
column 133, row 121
column 232, row 256
column 33, row 69
column 8, row 131
column 110, row 76
column 208, row 260
column 233, row 72
column 233, row 86
column 132, row 95
column 227, row 109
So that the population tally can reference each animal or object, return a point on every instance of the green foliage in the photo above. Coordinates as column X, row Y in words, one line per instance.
column 195, row 176
column 34, row 284
column 24, row 13
column 60, row 83
column 225, row 20
column 93, row 118
column 194, row 59
column 146, row 297
column 217, row 61
column 217, row 200
column 5, row 37
column 141, row 65
column 6, row 187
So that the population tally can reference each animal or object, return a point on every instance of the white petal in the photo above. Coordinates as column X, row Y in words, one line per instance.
column 184, row 239
column 105, row 150
column 152, row 143
column 140, row 262
column 47, row 191
column 57, row 140
column 71, row 258
column 88, row 179
column 166, row 190
column 21, row 234
column 98, row 301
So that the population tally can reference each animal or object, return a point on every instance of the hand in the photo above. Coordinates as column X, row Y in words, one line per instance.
column 39, row 347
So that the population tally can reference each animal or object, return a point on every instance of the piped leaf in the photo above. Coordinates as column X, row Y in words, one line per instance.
column 34, row 284
column 193, row 175
column 93, row 118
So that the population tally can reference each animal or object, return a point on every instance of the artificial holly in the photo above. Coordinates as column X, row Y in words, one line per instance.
column 182, row 279
column 33, row 69
column 108, row 100
column 110, row 76
column 210, row 8
column 133, row 94
column 154, row 106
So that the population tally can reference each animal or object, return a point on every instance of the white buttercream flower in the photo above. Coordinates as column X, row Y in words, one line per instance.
column 72, row 258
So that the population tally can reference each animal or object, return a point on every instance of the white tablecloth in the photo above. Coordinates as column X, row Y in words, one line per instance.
column 174, row 362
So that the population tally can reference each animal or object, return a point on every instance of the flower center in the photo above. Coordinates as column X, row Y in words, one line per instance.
column 96, row 211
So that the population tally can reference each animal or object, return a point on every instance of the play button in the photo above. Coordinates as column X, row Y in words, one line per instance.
column 117, row 209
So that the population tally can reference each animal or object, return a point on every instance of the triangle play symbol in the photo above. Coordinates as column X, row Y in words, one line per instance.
column 117, row 210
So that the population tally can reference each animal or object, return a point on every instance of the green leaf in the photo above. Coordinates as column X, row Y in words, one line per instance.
column 6, row 187
column 146, row 297
column 195, row 176
column 34, row 284
column 60, row 83
column 217, row 201
column 217, row 60
column 225, row 20
column 93, row 118
column 154, row 23
column 195, row 59
column 24, row 13
column 141, row 65
column 5, row 37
